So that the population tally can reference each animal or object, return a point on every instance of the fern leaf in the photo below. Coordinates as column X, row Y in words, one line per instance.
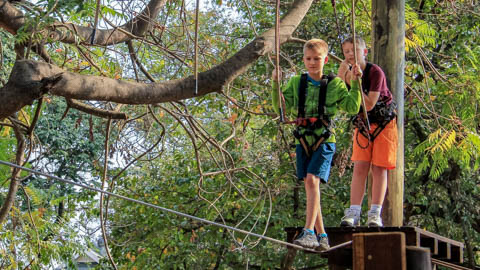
column 434, row 135
column 34, row 195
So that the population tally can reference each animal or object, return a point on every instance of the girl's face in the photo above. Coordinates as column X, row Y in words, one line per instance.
column 347, row 48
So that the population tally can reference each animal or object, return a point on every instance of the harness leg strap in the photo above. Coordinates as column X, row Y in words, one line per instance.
column 305, row 146
column 319, row 141
column 303, row 142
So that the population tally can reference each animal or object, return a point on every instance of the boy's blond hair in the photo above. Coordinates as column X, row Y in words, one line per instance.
column 358, row 39
column 316, row 44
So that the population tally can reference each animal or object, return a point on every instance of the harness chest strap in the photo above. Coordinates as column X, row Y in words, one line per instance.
column 314, row 122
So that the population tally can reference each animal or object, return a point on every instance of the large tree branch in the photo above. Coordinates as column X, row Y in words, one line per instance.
column 95, row 111
column 30, row 79
column 11, row 19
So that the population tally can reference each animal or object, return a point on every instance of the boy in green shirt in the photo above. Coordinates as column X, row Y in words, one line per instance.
column 316, row 101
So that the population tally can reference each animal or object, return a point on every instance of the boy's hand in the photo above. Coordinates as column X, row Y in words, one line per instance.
column 343, row 71
column 274, row 74
column 356, row 72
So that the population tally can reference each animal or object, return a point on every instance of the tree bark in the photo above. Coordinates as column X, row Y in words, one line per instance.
column 29, row 79
column 12, row 20
column 388, row 32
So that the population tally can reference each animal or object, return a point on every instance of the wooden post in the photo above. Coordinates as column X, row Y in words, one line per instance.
column 379, row 251
column 388, row 51
column 289, row 258
column 418, row 258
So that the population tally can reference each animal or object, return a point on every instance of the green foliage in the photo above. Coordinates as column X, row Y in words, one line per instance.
column 441, row 143
column 418, row 32
column 441, row 139
column 7, row 148
column 8, row 53
column 43, row 236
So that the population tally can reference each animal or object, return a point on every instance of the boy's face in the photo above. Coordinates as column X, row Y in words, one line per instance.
column 347, row 49
column 314, row 61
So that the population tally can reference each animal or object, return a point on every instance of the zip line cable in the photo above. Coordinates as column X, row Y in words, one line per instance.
column 170, row 210
column 355, row 57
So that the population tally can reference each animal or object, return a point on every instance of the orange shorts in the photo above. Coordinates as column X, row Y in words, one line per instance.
column 382, row 152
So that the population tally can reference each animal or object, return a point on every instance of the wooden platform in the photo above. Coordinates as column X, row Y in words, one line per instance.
column 440, row 247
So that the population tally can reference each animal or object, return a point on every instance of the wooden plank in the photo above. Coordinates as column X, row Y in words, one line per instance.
column 418, row 258
column 359, row 251
column 413, row 237
column 379, row 251
column 448, row 265
column 457, row 254
column 439, row 237
column 444, row 250
column 292, row 232
column 340, row 259
column 431, row 243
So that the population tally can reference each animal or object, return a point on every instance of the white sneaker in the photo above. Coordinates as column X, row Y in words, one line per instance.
column 351, row 218
column 374, row 220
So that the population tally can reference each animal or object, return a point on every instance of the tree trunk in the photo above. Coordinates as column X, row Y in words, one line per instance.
column 388, row 32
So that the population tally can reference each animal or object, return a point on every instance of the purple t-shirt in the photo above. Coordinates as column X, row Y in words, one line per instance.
column 378, row 83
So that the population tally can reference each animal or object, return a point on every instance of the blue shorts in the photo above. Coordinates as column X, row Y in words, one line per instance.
column 318, row 164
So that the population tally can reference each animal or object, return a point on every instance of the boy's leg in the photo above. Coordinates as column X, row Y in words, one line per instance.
column 379, row 185
column 357, row 191
column 379, row 188
column 361, row 157
column 359, row 179
column 313, row 199
column 322, row 237
column 318, row 170
column 308, row 238
column 319, row 221
column 324, row 156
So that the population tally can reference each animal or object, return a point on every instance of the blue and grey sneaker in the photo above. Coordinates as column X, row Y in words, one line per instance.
column 322, row 242
column 306, row 239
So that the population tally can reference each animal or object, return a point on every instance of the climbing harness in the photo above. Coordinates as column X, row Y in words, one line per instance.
column 307, row 126
column 206, row 221
column 381, row 114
